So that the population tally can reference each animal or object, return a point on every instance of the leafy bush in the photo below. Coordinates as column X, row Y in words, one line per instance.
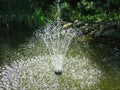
column 35, row 12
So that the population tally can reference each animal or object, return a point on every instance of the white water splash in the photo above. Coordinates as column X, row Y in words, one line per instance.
column 57, row 41
column 37, row 74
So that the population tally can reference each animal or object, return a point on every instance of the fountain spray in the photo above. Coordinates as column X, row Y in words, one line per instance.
column 57, row 40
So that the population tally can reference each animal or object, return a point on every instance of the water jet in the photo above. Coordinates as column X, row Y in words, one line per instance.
column 57, row 40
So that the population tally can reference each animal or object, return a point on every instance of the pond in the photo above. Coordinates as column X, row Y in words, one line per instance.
column 25, row 64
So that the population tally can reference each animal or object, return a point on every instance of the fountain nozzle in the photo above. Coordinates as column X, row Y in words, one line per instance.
column 58, row 72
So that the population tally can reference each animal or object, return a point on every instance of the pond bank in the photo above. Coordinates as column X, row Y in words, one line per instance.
column 100, row 33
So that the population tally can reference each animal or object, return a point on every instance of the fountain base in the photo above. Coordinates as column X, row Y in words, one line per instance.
column 58, row 72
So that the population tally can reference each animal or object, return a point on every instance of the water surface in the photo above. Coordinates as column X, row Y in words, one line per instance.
column 25, row 64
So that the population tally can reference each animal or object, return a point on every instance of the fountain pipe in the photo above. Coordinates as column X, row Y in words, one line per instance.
column 58, row 9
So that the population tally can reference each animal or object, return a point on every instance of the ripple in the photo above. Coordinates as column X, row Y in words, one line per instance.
column 37, row 74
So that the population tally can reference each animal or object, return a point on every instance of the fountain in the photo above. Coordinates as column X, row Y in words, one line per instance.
column 57, row 40
column 34, row 72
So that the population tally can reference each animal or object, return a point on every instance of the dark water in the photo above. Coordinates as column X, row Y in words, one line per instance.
column 107, row 57
column 25, row 64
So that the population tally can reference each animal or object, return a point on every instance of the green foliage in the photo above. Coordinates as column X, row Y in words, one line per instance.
column 91, row 10
column 36, row 12
column 87, row 5
column 21, row 11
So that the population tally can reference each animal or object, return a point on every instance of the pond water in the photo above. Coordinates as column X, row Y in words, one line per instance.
column 25, row 64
